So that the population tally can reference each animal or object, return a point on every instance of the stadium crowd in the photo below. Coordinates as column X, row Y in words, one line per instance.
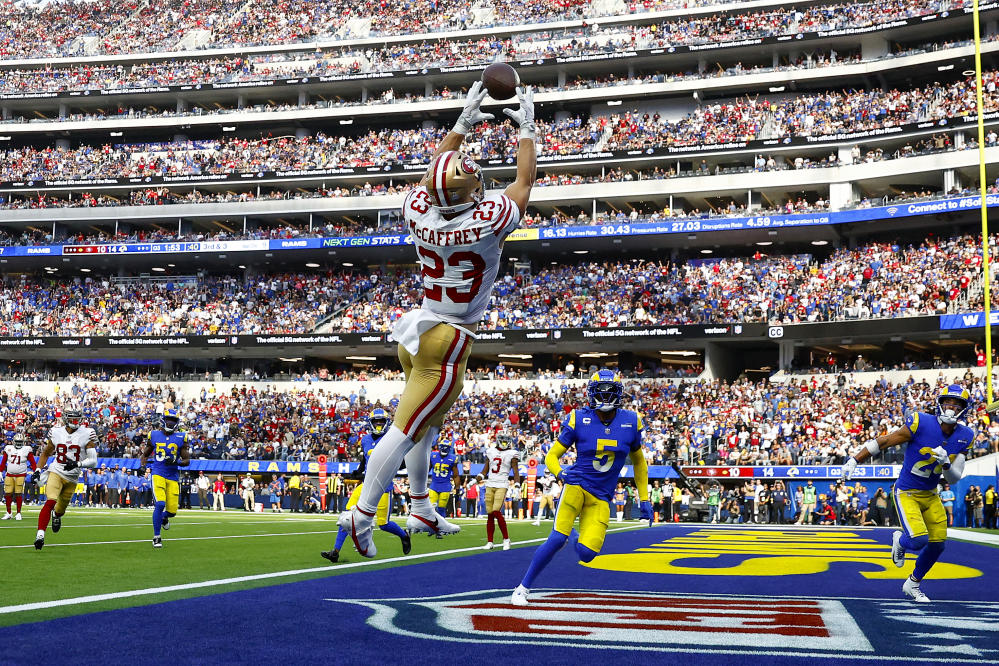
column 871, row 281
column 695, row 422
column 875, row 280
column 740, row 120
column 286, row 303
column 66, row 28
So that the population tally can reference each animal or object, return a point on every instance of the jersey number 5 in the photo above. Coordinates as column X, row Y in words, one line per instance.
column 433, row 269
column 604, row 460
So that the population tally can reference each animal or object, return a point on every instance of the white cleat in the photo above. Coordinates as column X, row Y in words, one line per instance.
column 536, row 523
column 506, row 544
column 911, row 590
column 519, row 597
column 18, row 516
column 432, row 523
column 358, row 526
column 897, row 552
column 39, row 539
column 7, row 516
column 488, row 546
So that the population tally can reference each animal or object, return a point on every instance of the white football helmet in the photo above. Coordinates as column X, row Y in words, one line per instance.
column 454, row 182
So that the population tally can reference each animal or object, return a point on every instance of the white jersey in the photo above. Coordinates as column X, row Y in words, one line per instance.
column 17, row 459
column 461, row 256
column 498, row 466
column 69, row 446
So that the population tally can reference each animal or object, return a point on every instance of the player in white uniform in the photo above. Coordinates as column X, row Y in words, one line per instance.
column 458, row 232
column 17, row 456
column 74, row 446
column 499, row 460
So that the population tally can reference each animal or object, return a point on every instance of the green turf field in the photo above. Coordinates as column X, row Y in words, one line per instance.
column 100, row 551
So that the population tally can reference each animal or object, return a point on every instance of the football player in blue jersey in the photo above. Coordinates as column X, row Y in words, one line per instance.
column 169, row 448
column 935, row 445
column 605, row 436
column 443, row 476
column 378, row 421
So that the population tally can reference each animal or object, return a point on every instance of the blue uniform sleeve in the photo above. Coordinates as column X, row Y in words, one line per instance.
column 567, row 437
column 912, row 422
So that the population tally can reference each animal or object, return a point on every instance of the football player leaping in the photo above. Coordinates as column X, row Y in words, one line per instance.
column 17, row 456
column 605, row 437
column 170, row 450
column 74, row 446
column 458, row 232
column 935, row 444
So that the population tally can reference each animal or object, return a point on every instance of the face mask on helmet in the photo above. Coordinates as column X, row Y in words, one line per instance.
column 455, row 183
column 73, row 421
column 170, row 423
column 504, row 442
column 444, row 450
column 950, row 409
column 378, row 425
column 605, row 396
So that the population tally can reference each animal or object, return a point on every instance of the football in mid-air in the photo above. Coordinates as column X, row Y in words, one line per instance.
column 501, row 80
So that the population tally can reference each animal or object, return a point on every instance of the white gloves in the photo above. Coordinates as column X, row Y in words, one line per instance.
column 524, row 116
column 471, row 113
column 941, row 456
column 849, row 467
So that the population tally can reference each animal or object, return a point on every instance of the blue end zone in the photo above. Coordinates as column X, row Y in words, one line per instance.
column 448, row 611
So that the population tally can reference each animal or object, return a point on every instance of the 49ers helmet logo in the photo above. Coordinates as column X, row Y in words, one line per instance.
column 468, row 165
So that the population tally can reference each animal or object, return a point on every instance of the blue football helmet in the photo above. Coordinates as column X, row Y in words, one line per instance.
column 379, row 421
column 444, row 448
column 170, row 420
column 605, row 391
column 949, row 414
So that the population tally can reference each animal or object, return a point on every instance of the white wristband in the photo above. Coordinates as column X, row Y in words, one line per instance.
column 528, row 131
column 873, row 447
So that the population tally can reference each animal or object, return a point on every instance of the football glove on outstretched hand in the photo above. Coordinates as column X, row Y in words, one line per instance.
column 471, row 113
column 849, row 467
column 941, row 456
column 524, row 116
column 646, row 508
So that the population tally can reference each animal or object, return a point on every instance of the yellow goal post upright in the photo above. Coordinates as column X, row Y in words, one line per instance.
column 992, row 404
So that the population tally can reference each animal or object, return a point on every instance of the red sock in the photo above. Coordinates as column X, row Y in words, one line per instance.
column 490, row 527
column 502, row 524
column 20, row 498
column 44, row 514
column 7, row 498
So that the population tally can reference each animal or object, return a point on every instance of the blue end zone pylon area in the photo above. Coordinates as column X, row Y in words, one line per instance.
column 674, row 594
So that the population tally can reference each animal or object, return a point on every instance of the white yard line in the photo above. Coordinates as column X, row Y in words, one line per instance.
column 240, row 579
column 974, row 537
column 201, row 538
